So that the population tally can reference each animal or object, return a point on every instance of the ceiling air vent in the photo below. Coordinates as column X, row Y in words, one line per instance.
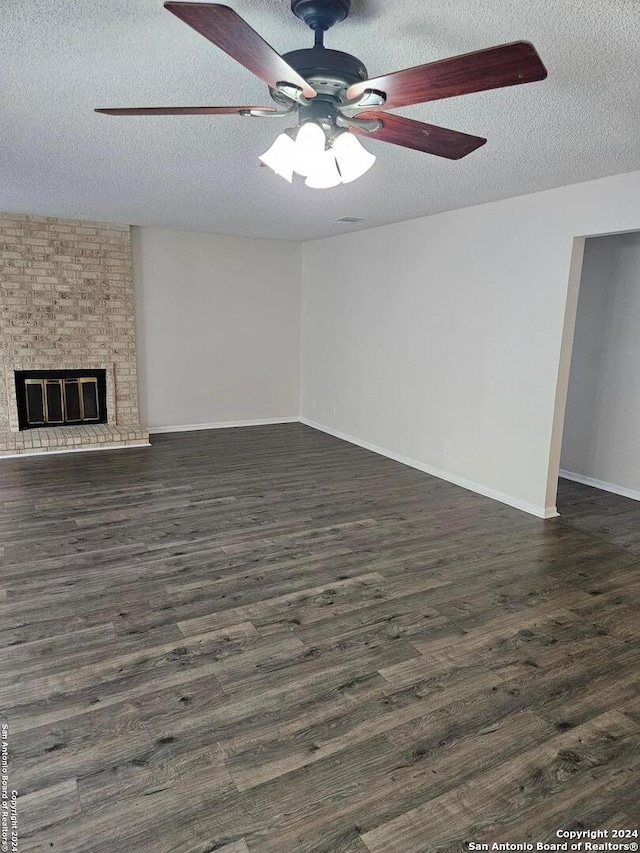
column 350, row 219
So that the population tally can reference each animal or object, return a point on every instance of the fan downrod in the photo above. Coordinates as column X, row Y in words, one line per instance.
column 320, row 15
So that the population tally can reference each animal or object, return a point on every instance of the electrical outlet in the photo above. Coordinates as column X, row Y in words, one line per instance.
column 313, row 405
column 333, row 410
column 448, row 445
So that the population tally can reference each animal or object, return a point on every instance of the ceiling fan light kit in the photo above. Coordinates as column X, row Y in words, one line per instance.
column 324, row 160
column 334, row 98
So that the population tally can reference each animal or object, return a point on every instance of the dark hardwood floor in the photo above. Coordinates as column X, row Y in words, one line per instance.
column 601, row 514
column 269, row 640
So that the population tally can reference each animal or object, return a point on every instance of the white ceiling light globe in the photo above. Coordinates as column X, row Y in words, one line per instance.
column 353, row 159
column 309, row 148
column 280, row 157
column 325, row 173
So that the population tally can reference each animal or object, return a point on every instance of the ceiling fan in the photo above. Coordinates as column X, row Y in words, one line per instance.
column 334, row 98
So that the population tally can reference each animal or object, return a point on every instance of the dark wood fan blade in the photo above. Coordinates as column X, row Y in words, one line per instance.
column 231, row 33
column 494, row 68
column 423, row 137
column 181, row 111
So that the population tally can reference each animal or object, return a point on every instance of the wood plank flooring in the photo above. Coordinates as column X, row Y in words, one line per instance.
column 266, row 640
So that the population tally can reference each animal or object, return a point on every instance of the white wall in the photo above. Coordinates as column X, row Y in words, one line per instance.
column 602, row 423
column 218, row 327
column 450, row 331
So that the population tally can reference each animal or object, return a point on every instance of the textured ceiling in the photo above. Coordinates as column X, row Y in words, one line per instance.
column 61, row 58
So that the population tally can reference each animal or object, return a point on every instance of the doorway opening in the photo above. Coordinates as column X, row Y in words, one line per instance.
column 600, row 433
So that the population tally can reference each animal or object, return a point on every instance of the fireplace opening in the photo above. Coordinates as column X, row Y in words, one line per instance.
column 48, row 398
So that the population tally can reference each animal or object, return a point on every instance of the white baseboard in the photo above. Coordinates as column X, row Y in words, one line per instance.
column 222, row 425
column 532, row 509
column 27, row 454
column 600, row 484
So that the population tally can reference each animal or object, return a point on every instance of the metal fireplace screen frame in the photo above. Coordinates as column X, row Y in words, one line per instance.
column 48, row 398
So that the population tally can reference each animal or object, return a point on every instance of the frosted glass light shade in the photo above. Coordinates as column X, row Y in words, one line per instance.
column 325, row 173
column 280, row 157
column 309, row 148
column 344, row 161
column 353, row 159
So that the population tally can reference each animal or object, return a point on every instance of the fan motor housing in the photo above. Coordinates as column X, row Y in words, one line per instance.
column 330, row 72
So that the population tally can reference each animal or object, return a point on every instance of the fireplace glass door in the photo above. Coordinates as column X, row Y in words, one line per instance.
column 54, row 398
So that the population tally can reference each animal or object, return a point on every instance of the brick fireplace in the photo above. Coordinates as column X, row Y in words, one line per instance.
column 66, row 305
